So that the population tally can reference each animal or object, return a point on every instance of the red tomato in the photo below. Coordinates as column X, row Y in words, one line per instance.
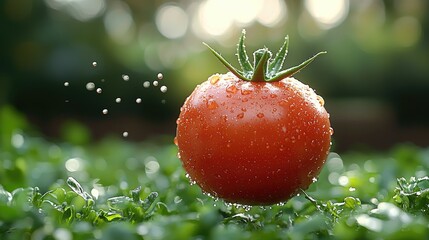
column 253, row 142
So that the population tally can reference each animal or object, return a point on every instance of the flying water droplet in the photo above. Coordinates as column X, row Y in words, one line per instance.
column 163, row 89
column 125, row 134
column 160, row 76
column 146, row 84
column 105, row 111
column 138, row 100
column 99, row 90
column 125, row 77
column 118, row 100
column 155, row 83
column 94, row 64
column 90, row 86
column 66, row 84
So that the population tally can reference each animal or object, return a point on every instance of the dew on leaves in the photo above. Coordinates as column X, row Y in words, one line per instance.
column 90, row 86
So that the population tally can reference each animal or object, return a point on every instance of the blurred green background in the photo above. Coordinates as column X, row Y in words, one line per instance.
column 375, row 77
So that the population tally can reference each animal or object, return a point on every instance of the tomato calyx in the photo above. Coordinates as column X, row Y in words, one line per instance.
column 264, row 69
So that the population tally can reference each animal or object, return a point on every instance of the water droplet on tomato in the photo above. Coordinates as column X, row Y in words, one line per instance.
column 283, row 102
column 90, row 86
column 284, row 129
column 246, row 91
column 260, row 115
column 331, row 131
column 243, row 109
column 176, row 142
column 264, row 97
column 321, row 100
column 240, row 115
column 231, row 89
column 224, row 118
column 99, row 90
column 160, row 76
column 178, row 121
column 244, row 100
column 211, row 104
column 214, row 79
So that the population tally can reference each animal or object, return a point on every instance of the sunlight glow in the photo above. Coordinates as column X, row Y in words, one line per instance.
column 119, row 23
column 328, row 13
column 216, row 17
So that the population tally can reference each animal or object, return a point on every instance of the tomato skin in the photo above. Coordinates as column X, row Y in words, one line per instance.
column 253, row 143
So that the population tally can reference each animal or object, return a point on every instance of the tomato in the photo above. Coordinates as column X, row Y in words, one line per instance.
column 253, row 142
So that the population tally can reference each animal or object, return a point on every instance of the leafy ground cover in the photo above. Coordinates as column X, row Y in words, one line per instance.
column 115, row 189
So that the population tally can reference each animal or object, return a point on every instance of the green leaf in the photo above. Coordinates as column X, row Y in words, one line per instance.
column 291, row 71
column 243, row 58
column 261, row 57
column 278, row 61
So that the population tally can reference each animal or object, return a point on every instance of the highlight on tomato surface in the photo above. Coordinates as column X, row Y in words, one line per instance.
column 254, row 136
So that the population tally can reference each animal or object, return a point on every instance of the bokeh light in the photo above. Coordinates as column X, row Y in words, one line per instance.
column 171, row 21
column 82, row 10
column 328, row 14
column 119, row 23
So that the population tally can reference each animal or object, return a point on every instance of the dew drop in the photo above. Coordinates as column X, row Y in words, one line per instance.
column 125, row 134
column 321, row 100
column 272, row 95
column 105, row 111
column 66, row 84
column 231, row 89
column 90, row 86
column 260, row 115
column 163, row 89
column 155, row 83
column 214, row 79
column 138, row 100
column 240, row 115
column 146, row 84
column 125, row 77
column 160, row 76
column 212, row 104
column 176, row 142
column 99, row 90
column 331, row 131
column 118, row 100
column 246, row 91
column 94, row 64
